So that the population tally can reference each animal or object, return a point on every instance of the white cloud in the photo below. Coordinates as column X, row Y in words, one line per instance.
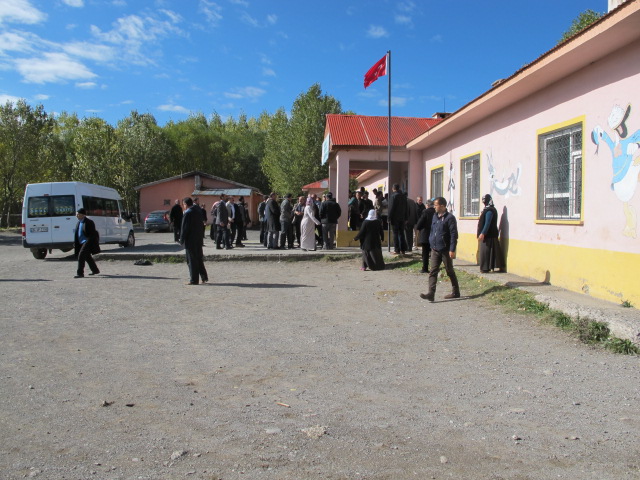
column 90, row 51
column 86, row 85
column 268, row 72
column 242, row 3
column 272, row 19
column 395, row 102
column 406, row 6
column 52, row 67
column 403, row 19
column 249, row 20
column 437, row 39
column 16, row 42
column 251, row 93
column 174, row 108
column 133, row 33
column 8, row 98
column 212, row 11
column 376, row 31
column 74, row 3
column 20, row 11
column 173, row 16
column 42, row 96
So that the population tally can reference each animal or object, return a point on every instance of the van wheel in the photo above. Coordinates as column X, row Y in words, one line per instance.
column 131, row 241
column 39, row 253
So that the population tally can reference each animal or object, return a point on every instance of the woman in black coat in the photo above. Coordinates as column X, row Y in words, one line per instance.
column 371, row 235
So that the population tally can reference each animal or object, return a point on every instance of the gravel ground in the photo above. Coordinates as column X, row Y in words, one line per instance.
column 294, row 370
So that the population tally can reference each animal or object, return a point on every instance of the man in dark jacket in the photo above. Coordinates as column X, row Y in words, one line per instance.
column 272, row 211
column 443, row 241
column 398, row 215
column 191, row 236
column 329, row 214
column 222, row 224
column 424, row 227
column 176, row 218
column 86, row 241
column 286, row 222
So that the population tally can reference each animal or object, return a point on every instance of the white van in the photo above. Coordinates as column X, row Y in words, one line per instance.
column 49, row 215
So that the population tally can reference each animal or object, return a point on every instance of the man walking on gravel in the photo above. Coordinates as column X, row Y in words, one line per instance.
column 443, row 241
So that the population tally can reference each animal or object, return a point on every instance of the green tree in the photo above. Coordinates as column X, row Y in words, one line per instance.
column 142, row 153
column 25, row 141
column 583, row 20
column 294, row 146
column 92, row 146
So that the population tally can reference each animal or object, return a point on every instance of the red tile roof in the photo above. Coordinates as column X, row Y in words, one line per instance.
column 366, row 131
column 324, row 183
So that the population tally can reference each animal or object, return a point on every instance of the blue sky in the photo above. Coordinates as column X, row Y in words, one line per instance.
column 171, row 57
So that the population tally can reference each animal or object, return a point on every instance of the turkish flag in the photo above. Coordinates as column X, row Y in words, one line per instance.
column 378, row 70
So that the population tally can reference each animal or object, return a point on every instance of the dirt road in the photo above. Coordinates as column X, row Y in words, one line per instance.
column 294, row 370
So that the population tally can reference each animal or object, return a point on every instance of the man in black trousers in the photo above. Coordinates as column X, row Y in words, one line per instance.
column 86, row 241
column 192, row 237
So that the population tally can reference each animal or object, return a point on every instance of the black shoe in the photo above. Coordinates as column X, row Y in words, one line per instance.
column 78, row 276
column 95, row 273
column 241, row 245
column 452, row 295
column 191, row 283
column 424, row 271
column 427, row 296
column 218, row 248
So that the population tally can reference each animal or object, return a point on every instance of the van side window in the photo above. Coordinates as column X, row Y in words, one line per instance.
column 111, row 207
column 51, row 206
column 93, row 205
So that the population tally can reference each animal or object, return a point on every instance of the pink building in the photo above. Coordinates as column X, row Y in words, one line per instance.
column 557, row 145
column 202, row 187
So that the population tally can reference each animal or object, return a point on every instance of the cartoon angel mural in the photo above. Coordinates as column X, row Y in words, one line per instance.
column 625, row 153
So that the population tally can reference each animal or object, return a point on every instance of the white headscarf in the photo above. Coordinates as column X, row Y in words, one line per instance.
column 372, row 215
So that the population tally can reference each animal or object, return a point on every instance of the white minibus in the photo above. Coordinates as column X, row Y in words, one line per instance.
column 49, row 215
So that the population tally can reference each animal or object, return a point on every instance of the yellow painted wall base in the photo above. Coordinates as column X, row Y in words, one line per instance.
column 611, row 276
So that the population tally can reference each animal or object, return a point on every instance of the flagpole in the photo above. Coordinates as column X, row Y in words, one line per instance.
column 389, row 145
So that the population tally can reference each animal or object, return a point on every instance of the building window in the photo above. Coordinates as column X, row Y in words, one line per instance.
column 437, row 176
column 167, row 202
column 470, row 186
column 560, row 174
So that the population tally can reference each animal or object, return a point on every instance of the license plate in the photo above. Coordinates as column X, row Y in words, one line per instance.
column 39, row 229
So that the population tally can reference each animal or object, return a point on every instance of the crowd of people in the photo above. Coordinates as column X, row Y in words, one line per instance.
column 310, row 224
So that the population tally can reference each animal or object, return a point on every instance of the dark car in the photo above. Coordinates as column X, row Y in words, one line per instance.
column 158, row 220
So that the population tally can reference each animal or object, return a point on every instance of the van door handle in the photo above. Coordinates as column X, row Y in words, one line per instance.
column 56, row 226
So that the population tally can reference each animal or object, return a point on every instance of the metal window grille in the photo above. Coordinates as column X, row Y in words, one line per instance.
column 437, row 177
column 470, row 186
column 560, row 174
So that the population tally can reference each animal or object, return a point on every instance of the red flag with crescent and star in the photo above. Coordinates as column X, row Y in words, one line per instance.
column 378, row 70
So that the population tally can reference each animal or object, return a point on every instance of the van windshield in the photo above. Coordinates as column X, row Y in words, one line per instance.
column 51, row 206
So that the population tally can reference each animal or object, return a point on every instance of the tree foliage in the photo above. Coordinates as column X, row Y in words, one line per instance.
column 26, row 145
column 294, row 145
column 270, row 152
column 583, row 20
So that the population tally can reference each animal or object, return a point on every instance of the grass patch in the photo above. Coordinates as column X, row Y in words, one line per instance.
column 522, row 302
column 627, row 304
column 626, row 347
